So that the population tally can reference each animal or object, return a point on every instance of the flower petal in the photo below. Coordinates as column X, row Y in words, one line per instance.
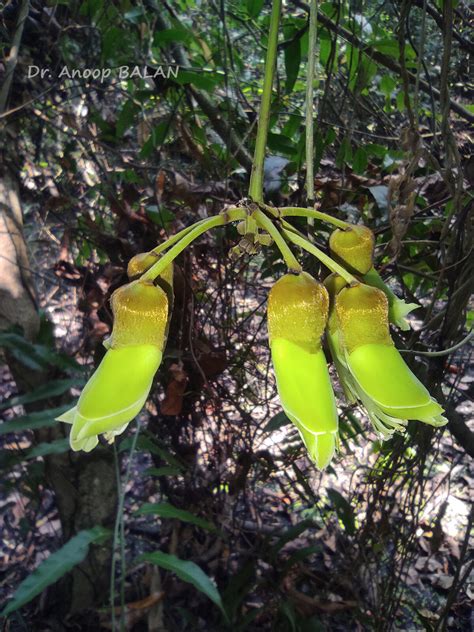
column 304, row 386
column 69, row 416
column 382, row 374
column 116, row 392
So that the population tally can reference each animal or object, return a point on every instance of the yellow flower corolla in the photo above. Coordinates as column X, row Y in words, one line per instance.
column 373, row 370
column 297, row 314
column 119, row 387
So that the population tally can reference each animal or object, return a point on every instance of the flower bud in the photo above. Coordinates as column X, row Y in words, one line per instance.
column 297, row 314
column 140, row 263
column 353, row 248
column 119, row 387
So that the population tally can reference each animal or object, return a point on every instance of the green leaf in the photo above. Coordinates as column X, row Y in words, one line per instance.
column 135, row 15
column 41, row 419
column 292, row 533
column 343, row 509
column 254, row 8
column 344, row 153
column 126, row 118
column 380, row 195
column 292, row 64
column 276, row 422
column 54, row 567
column 387, row 85
column 161, row 216
column 59, row 446
column 188, row 572
column 301, row 555
column 279, row 143
column 51, row 389
column 360, row 162
column 146, row 444
column 202, row 80
column 36, row 356
column 167, row 510
column 172, row 35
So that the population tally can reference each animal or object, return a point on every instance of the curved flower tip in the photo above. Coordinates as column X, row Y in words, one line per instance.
column 113, row 396
column 402, row 395
column 321, row 447
column 397, row 312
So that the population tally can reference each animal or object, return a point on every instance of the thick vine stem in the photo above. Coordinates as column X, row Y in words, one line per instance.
column 313, row 61
column 266, row 223
column 319, row 254
column 256, row 177
column 293, row 211
column 231, row 215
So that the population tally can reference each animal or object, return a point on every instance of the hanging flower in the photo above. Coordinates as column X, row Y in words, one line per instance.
column 119, row 387
column 297, row 314
column 369, row 365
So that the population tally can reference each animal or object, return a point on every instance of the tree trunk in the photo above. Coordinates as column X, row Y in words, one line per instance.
column 84, row 484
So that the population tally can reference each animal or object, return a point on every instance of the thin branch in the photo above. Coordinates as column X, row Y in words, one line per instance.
column 12, row 58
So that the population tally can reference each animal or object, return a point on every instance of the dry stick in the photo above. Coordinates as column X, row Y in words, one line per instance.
column 421, row 51
column 12, row 58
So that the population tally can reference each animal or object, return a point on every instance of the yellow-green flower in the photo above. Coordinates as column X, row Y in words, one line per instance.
column 297, row 315
column 353, row 247
column 119, row 387
column 372, row 368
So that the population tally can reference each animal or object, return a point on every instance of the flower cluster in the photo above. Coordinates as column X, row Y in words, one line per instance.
column 353, row 308
column 371, row 370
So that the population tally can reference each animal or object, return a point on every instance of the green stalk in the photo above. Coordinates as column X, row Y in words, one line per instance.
column 175, row 238
column 157, row 268
column 319, row 254
column 290, row 211
column 256, row 177
column 312, row 60
column 266, row 223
